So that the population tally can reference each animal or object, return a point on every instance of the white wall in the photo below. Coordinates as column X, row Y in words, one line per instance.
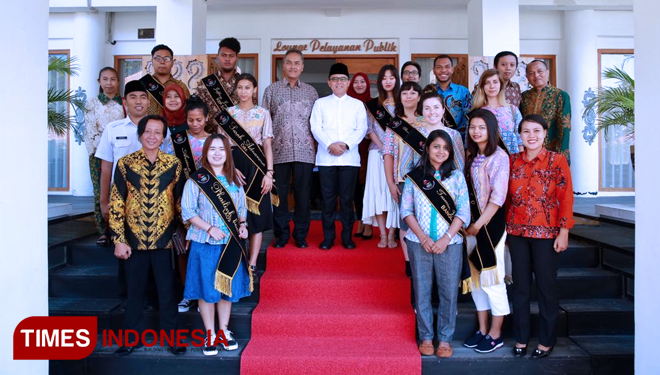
column 647, row 179
column 23, row 198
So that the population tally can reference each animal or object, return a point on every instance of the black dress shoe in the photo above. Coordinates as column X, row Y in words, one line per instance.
column 126, row 350
column 302, row 244
column 349, row 245
column 519, row 352
column 325, row 245
column 366, row 238
column 538, row 353
column 359, row 234
column 280, row 243
column 178, row 350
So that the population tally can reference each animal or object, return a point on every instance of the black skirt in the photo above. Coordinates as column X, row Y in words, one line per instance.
column 263, row 221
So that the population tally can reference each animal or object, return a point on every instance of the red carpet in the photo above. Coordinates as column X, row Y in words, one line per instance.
column 333, row 312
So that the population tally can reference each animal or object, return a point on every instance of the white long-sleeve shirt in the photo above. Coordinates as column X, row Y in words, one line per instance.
column 336, row 119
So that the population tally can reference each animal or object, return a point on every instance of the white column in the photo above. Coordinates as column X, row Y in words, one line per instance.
column 88, row 48
column 582, row 61
column 493, row 26
column 647, row 180
column 23, row 191
column 181, row 25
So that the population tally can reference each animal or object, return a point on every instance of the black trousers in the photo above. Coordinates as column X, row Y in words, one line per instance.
column 137, row 277
column 535, row 254
column 302, row 185
column 338, row 182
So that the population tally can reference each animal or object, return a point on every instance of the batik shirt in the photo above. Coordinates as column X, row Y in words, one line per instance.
column 490, row 178
column 508, row 118
column 290, row 108
column 414, row 202
column 459, row 101
column 98, row 115
column 540, row 200
column 512, row 93
column 256, row 122
column 555, row 107
column 195, row 203
column 144, row 200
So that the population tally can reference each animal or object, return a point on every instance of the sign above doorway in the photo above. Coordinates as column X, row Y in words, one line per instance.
column 337, row 46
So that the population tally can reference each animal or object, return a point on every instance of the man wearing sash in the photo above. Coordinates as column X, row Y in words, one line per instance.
column 162, row 60
column 457, row 98
column 144, row 212
column 218, row 90
column 290, row 102
column 338, row 123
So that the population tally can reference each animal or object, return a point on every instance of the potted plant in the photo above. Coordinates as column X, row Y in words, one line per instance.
column 615, row 106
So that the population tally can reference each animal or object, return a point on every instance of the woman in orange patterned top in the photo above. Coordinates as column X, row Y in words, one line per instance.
column 539, row 214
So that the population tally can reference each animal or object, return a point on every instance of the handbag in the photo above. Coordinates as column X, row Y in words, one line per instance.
column 179, row 242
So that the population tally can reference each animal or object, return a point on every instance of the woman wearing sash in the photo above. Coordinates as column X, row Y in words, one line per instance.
column 539, row 215
column 491, row 95
column 185, row 141
column 101, row 110
column 487, row 177
column 396, row 149
column 360, row 90
column 257, row 124
column 211, row 234
column 378, row 202
column 434, row 111
column 436, row 207
column 196, row 119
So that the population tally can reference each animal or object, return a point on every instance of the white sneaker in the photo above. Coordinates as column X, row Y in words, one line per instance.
column 184, row 305
column 210, row 349
column 231, row 343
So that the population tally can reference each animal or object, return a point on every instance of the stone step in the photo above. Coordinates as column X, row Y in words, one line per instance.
column 610, row 355
column 76, row 281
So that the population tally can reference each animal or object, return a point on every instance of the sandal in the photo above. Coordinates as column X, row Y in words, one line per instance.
column 444, row 352
column 103, row 240
column 391, row 243
column 426, row 348
column 383, row 242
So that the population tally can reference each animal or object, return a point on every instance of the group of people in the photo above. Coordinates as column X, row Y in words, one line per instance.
column 182, row 181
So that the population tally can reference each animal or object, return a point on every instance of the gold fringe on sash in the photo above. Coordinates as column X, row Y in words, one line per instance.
column 274, row 200
column 466, row 286
column 252, row 205
column 488, row 277
column 223, row 283
column 251, row 276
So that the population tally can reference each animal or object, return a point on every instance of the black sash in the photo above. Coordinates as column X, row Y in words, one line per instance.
column 220, row 99
column 182, row 149
column 408, row 133
column 254, row 153
column 234, row 250
column 436, row 193
column 154, row 88
column 448, row 116
column 483, row 258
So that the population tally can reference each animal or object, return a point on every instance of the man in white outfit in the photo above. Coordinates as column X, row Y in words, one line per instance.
column 339, row 123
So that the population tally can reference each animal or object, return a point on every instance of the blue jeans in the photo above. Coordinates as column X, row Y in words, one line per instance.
column 447, row 270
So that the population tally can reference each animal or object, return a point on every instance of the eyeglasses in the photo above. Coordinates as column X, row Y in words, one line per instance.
column 339, row 79
column 410, row 73
column 162, row 59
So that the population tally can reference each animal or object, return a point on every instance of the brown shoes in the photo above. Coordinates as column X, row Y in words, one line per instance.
column 426, row 347
column 444, row 352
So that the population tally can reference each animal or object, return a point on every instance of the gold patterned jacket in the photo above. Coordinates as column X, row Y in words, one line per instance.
column 145, row 200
